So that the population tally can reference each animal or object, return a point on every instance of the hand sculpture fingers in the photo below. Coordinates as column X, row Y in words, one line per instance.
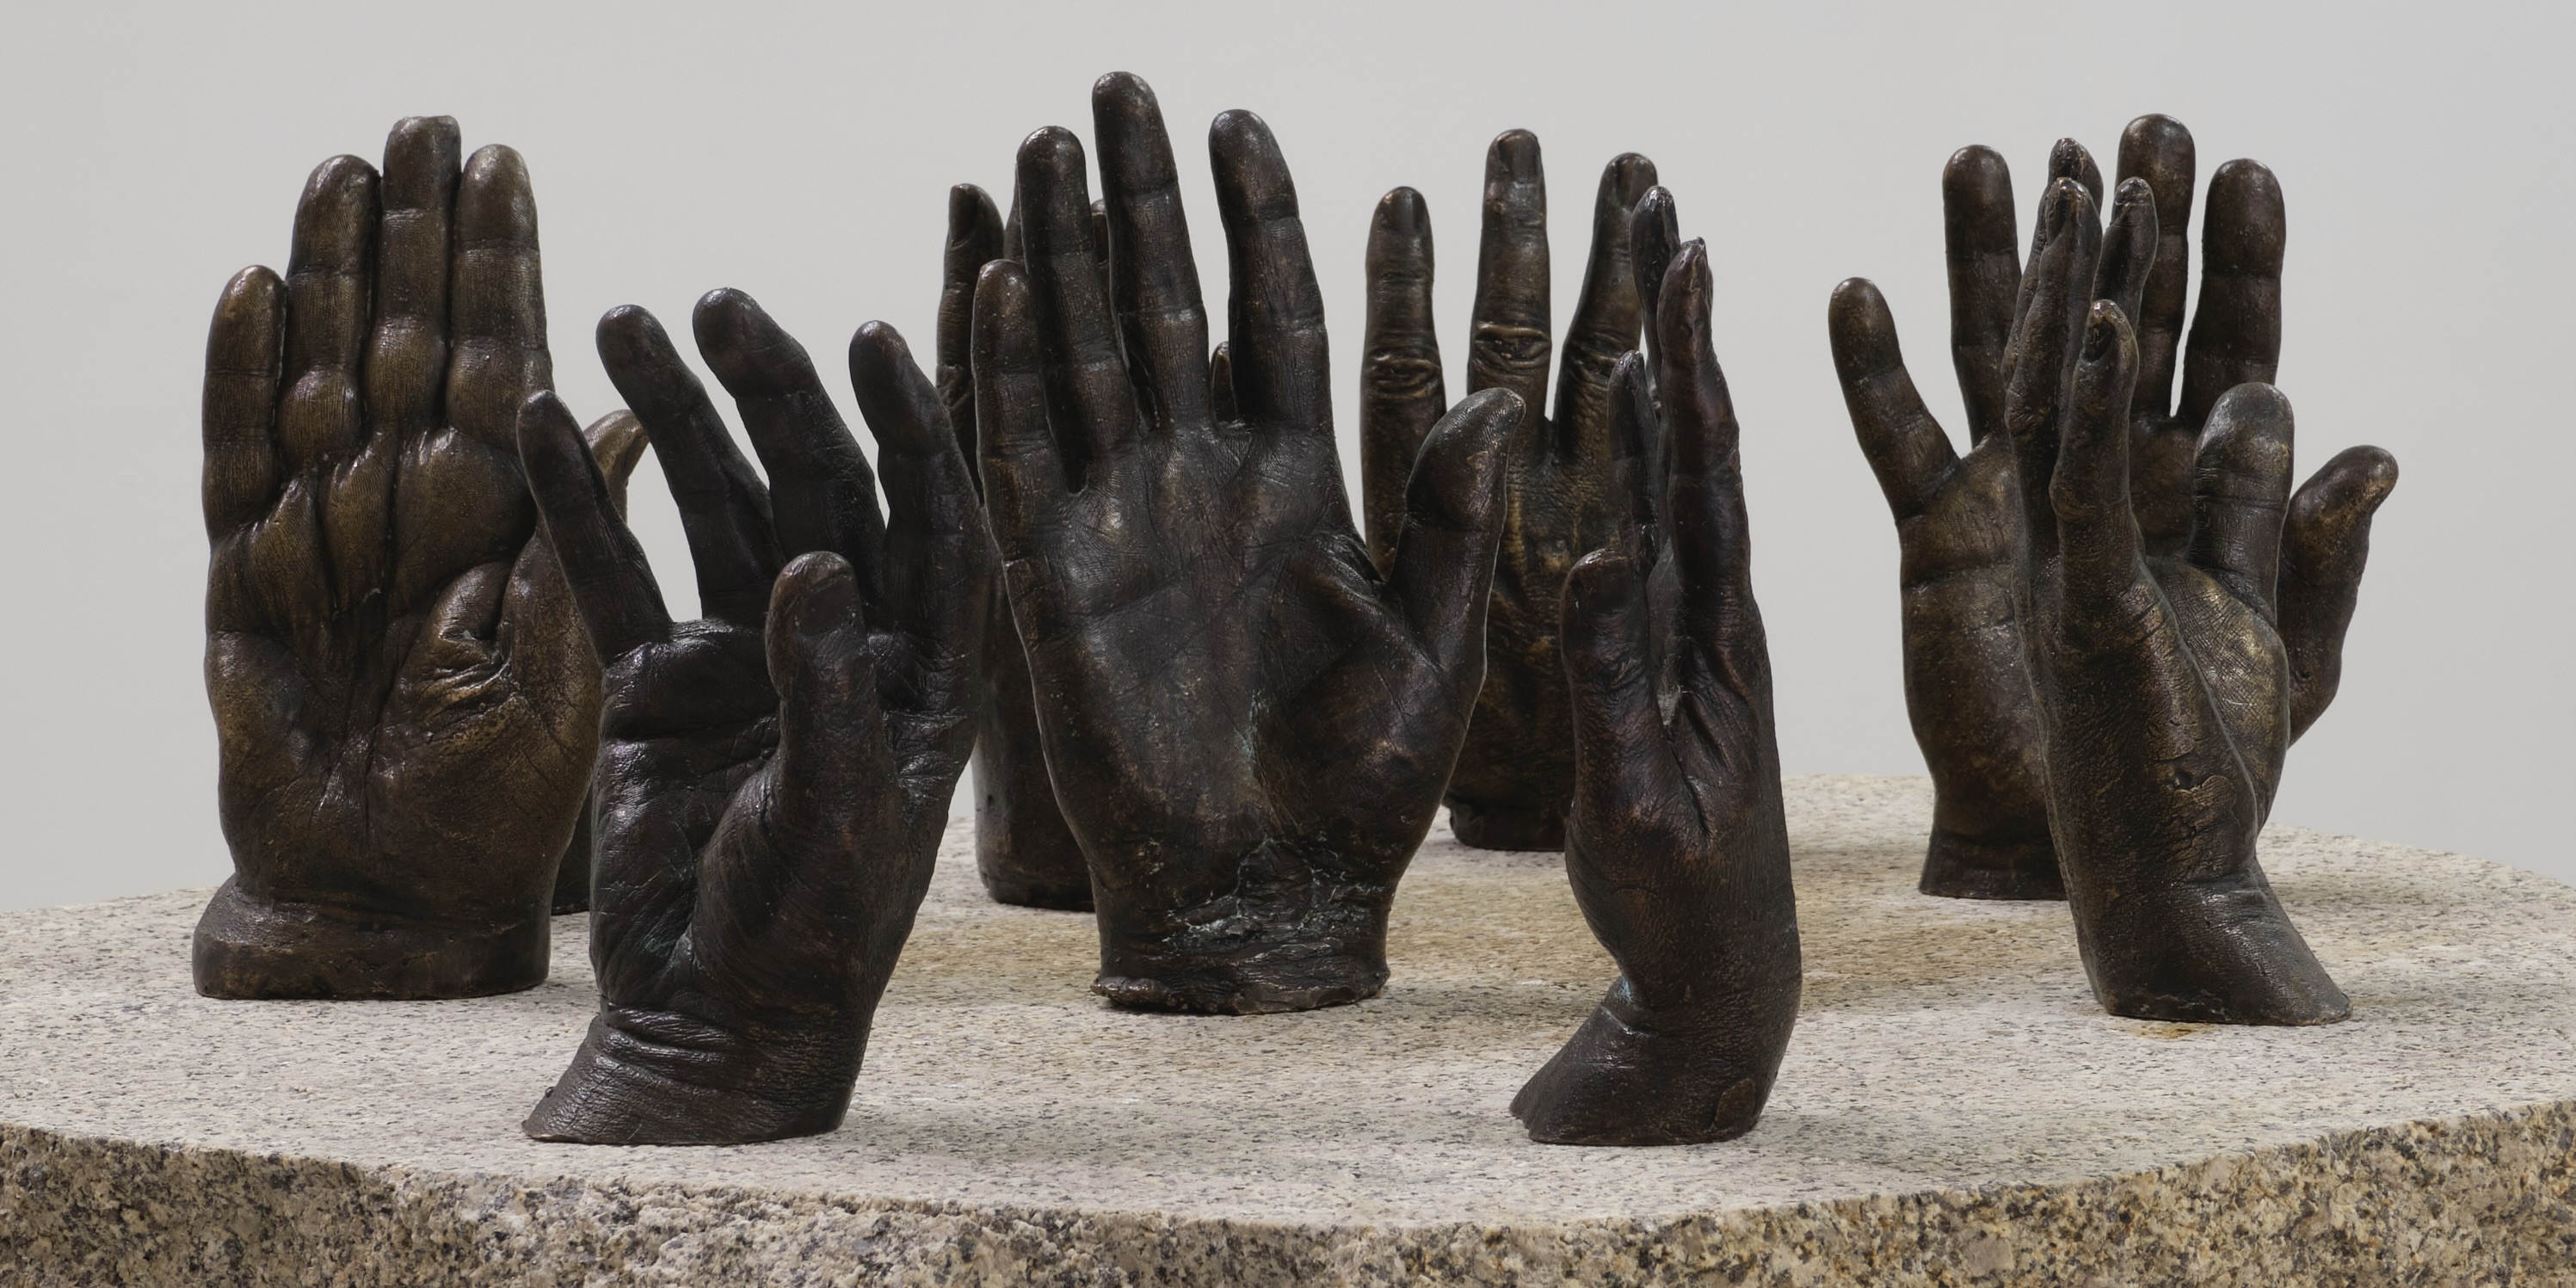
column 1089, row 399
column 1606, row 315
column 1906, row 448
column 1654, row 238
column 974, row 240
column 328, row 287
column 611, row 585
column 1402, row 393
column 2324, row 545
column 1275, row 315
column 1154, row 279
column 2128, row 248
column 2069, row 162
column 2240, row 494
column 1443, row 566
column 1025, row 485
column 243, row 468
column 617, row 442
column 2159, row 150
column 2058, row 288
column 724, row 506
column 830, row 780
column 497, row 319
column 822, row 495
column 1985, row 281
column 1704, row 504
column 1634, row 482
column 938, row 554
column 2236, row 334
column 1221, row 385
column 1508, row 342
column 2097, row 532
column 407, row 355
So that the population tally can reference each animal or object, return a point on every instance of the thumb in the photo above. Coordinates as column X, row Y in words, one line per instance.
column 616, row 441
column 2324, row 544
column 1623, row 764
column 1442, row 569
column 832, row 749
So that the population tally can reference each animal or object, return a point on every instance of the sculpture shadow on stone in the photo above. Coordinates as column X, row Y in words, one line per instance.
column 773, row 778
column 404, row 702
column 1677, row 845
column 1959, row 525
column 1516, row 770
column 1247, row 724
column 2163, row 686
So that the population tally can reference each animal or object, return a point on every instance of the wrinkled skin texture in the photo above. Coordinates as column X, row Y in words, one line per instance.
column 773, row 779
column 1517, row 770
column 2161, row 682
column 1247, row 724
column 404, row 701
column 1023, row 850
column 1958, row 523
column 1678, row 848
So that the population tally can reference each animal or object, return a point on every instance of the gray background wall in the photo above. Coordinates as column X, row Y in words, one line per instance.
column 803, row 155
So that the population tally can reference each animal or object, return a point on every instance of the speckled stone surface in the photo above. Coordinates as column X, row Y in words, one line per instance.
column 1953, row 1110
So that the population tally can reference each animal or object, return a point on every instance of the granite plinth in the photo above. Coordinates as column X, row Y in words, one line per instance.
column 1954, row 1109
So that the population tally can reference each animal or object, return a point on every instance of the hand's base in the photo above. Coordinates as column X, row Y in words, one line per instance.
column 1037, row 894
column 1483, row 829
column 1961, row 867
column 2213, row 953
column 1222, row 988
column 623, row 1090
column 1622, row 1080
column 250, row 950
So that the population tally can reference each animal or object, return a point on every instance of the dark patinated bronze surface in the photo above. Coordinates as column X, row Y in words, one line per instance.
column 2163, row 688
column 1247, row 724
column 773, row 779
column 1023, row 850
column 1677, row 847
column 1958, row 523
column 1516, row 771
column 403, row 697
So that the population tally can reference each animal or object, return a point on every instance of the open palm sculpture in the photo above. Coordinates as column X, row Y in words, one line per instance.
column 1677, row 845
column 404, row 700
column 2163, row 687
column 1247, row 724
column 1516, row 771
column 1958, row 525
column 774, row 778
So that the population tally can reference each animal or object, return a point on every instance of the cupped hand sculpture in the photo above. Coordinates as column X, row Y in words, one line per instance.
column 404, row 701
column 1248, row 726
column 1958, row 525
column 1678, row 848
column 2162, row 684
column 773, row 779
column 1516, row 771
column 1023, row 850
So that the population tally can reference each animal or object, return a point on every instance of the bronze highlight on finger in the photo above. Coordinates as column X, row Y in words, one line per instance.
column 2159, row 150
column 1275, row 318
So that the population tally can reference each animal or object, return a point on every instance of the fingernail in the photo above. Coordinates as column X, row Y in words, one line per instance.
column 1402, row 212
column 1634, row 175
column 1518, row 151
column 2101, row 329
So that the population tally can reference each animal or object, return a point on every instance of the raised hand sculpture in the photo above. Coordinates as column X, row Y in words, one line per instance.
column 774, row 778
column 1248, row 725
column 403, row 697
column 1958, row 525
column 2162, row 685
column 1677, row 848
column 1023, row 850
column 1516, row 771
